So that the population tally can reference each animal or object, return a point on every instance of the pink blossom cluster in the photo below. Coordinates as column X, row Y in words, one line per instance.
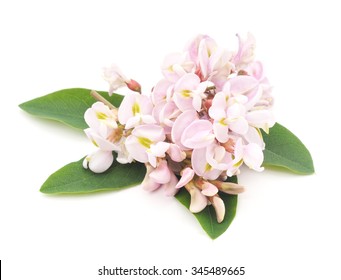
column 198, row 126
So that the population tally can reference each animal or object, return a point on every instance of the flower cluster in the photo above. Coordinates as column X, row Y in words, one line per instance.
column 197, row 127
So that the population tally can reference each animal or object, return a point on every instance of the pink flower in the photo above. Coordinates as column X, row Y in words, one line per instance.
column 213, row 63
column 198, row 134
column 175, row 153
column 211, row 161
column 161, row 176
column 114, row 76
column 189, row 92
column 193, row 47
column 134, row 110
column 202, row 121
column 207, row 48
column 145, row 144
column 180, row 124
column 245, row 54
column 250, row 154
column 175, row 66
column 228, row 114
column 116, row 79
column 102, row 126
column 100, row 117
column 165, row 114
column 105, row 134
column 162, row 92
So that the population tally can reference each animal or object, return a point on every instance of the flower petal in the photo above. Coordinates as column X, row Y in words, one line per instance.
column 219, row 208
column 198, row 134
column 253, row 156
column 150, row 131
column 261, row 118
column 242, row 84
column 175, row 153
column 135, row 149
column 254, row 135
column 148, row 182
column 159, row 149
column 218, row 108
column 209, row 189
column 169, row 187
column 161, row 174
column 239, row 125
column 198, row 200
column 201, row 167
column 187, row 175
column 180, row 124
column 221, row 131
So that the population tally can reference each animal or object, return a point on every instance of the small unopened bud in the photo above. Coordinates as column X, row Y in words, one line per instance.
column 209, row 189
column 228, row 187
column 99, row 161
column 133, row 85
column 148, row 183
column 198, row 200
column 187, row 175
column 219, row 207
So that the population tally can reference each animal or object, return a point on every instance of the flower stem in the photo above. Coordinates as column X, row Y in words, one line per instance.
column 100, row 98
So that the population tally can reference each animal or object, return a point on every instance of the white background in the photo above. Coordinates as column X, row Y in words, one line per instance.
column 287, row 226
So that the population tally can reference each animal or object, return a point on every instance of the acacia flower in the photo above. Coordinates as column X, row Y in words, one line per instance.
column 209, row 162
column 189, row 92
column 175, row 65
column 116, row 79
column 103, row 126
column 199, row 125
column 146, row 143
column 250, row 154
column 245, row 54
column 135, row 109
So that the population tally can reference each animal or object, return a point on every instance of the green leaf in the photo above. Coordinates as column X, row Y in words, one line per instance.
column 284, row 149
column 73, row 178
column 207, row 217
column 67, row 106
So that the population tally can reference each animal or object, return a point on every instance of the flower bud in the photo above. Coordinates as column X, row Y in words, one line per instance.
column 99, row 161
column 209, row 189
column 219, row 207
column 148, row 183
column 198, row 200
column 187, row 175
column 228, row 187
column 133, row 85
